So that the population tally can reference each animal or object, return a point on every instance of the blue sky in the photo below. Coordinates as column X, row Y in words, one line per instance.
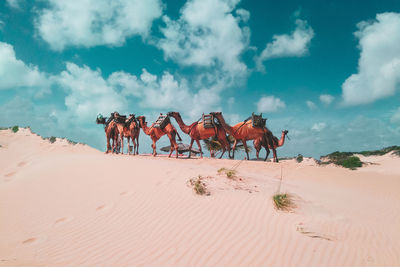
column 328, row 71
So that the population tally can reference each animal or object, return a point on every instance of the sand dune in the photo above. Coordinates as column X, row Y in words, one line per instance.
column 71, row 205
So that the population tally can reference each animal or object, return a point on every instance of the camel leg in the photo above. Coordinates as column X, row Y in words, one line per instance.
column 266, row 153
column 201, row 151
column 108, row 145
column 176, row 149
column 137, row 145
column 223, row 144
column 190, row 147
column 127, row 151
column 245, row 148
column 122, row 144
column 233, row 149
column 275, row 156
column 133, row 145
column 257, row 152
column 154, row 148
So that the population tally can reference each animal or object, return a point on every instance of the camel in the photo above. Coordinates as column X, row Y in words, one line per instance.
column 131, row 130
column 156, row 133
column 197, row 132
column 262, row 142
column 122, row 131
column 110, row 128
column 241, row 131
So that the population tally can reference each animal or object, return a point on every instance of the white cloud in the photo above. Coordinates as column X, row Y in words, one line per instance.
column 88, row 93
column 379, row 63
column 396, row 116
column 318, row 126
column 14, row 3
column 166, row 92
column 326, row 99
column 270, row 104
column 15, row 73
column 294, row 45
column 95, row 22
column 207, row 34
column 311, row 105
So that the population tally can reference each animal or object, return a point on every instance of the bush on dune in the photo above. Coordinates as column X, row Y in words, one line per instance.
column 283, row 202
column 15, row 129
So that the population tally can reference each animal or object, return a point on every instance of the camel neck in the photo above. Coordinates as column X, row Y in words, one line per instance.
column 146, row 129
column 282, row 140
column 182, row 125
column 227, row 127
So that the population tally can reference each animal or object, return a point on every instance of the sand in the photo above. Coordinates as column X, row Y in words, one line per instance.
column 71, row 205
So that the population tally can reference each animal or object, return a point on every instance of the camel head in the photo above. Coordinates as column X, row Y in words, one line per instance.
column 285, row 132
column 115, row 114
column 216, row 113
column 142, row 120
column 173, row 114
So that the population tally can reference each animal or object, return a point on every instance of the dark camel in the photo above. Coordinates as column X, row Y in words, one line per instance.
column 197, row 132
column 262, row 142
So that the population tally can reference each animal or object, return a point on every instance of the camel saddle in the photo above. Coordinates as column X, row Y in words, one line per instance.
column 121, row 119
column 258, row 120
column 161, row 122
column 208, row 121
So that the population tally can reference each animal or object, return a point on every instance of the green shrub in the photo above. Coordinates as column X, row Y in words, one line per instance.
column 15, row 129
column 352, row 162
column 283, row 202
column 71, row 142
column 52, row 139
column 299, row 158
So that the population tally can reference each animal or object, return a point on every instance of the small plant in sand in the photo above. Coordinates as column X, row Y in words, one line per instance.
column 71, row 142
column 299, row 158
column 230, row 173
column 283, row 202
column 199, row 187
column 52, row 139
column 15, row 129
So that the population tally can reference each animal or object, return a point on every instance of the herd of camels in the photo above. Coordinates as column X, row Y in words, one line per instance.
column 212, row 125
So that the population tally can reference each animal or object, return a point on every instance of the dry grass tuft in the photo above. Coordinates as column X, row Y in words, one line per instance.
column 199, row 187
column 283, row 202
column 228, row 172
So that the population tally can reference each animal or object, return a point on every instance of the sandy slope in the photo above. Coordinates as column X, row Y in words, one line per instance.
column 65, row 205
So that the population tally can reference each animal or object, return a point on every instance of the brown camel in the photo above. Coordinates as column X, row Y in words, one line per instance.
column 122, row 131
column 157, row 133
column 131, row 130
column 197, row 132
column 241, row 131
column 263, row 142
column 110, row 128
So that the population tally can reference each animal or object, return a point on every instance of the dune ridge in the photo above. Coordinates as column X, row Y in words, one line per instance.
column 71, row 205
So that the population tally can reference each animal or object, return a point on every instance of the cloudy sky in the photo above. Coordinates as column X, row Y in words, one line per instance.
column 327, row 71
